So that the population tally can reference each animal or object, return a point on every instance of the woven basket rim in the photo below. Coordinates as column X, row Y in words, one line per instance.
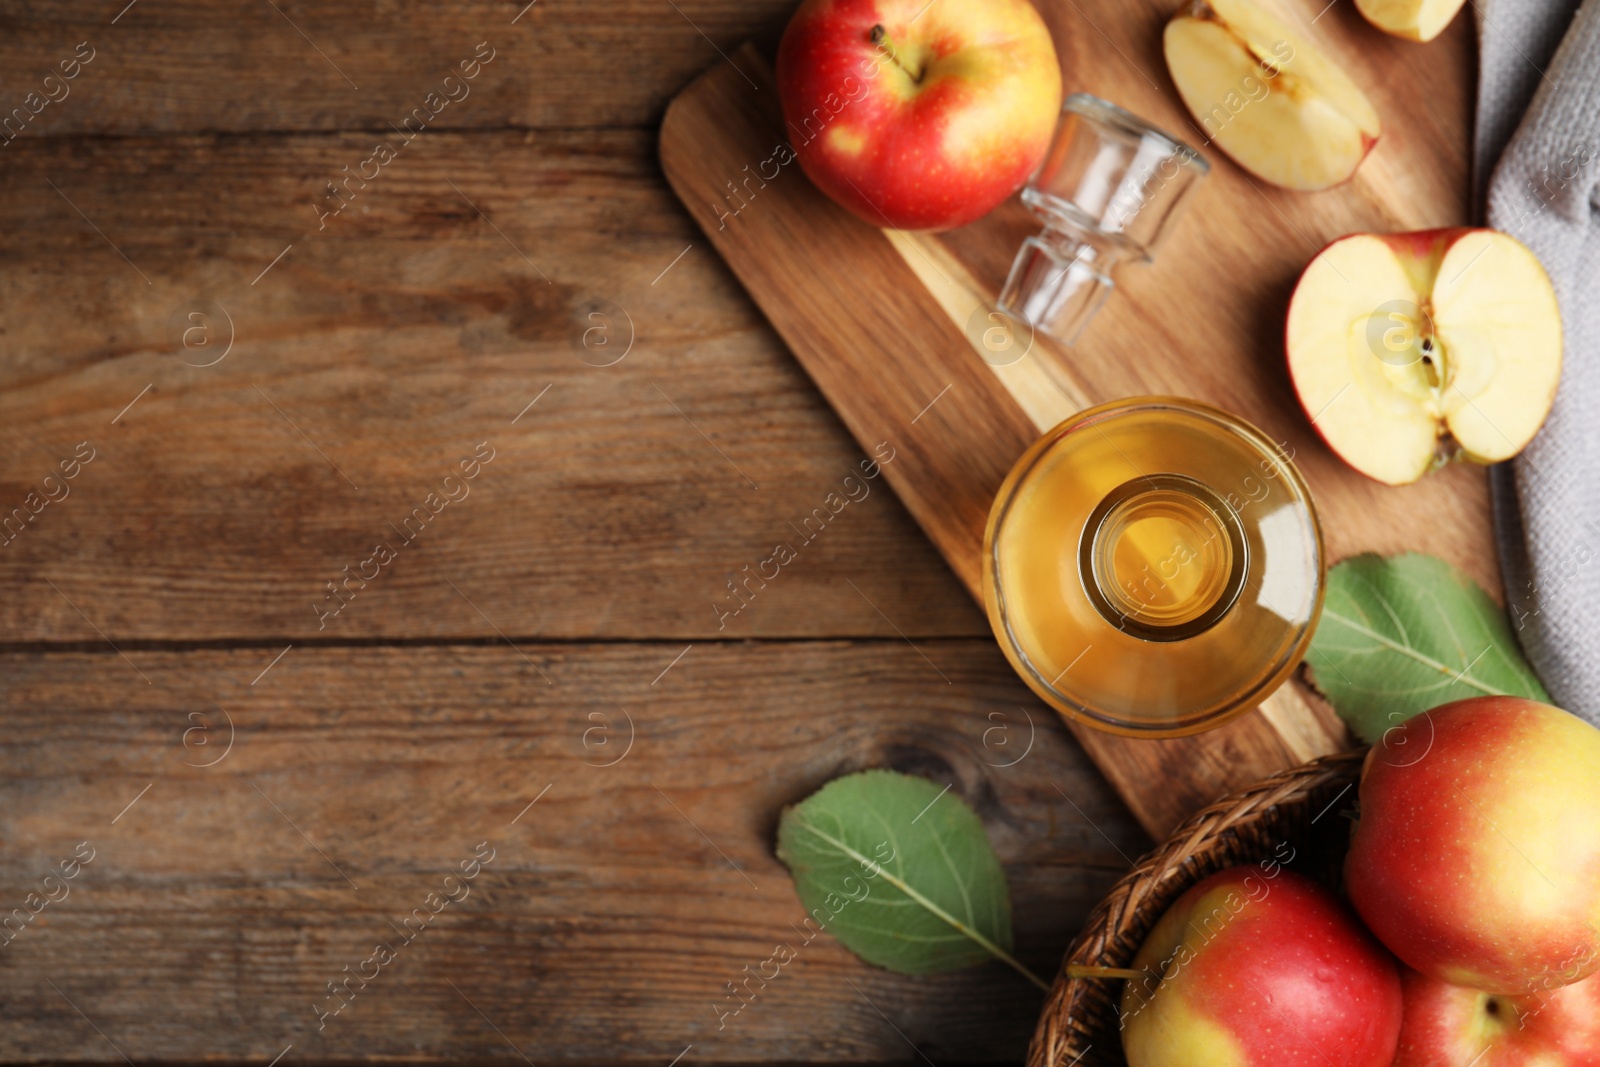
column 1119, row 923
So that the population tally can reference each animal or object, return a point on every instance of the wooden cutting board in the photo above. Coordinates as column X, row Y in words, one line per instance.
column 882, row 322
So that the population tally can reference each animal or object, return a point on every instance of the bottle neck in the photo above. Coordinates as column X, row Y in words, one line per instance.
column 1163, row 557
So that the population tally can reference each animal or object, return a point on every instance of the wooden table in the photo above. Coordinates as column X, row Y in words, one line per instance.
column 275, row 742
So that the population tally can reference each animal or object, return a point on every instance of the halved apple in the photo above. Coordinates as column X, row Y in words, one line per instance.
column 1409, row 349
column 1415, row 20
column 1271, row 100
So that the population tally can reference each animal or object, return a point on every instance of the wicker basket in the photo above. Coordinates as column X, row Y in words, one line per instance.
column 1299, row 809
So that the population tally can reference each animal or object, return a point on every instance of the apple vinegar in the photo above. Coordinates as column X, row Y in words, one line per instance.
column 1153, row 567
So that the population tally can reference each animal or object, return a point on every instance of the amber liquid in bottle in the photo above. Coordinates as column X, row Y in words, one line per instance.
column 1154, row 566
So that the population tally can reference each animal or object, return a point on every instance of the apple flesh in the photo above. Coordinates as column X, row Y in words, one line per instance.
column 1259, row 968
column 1448, row 1026
column 1479, row 863
column 1415, row 20
column 1409, row 349
column 1271, row 100
column 919, row 116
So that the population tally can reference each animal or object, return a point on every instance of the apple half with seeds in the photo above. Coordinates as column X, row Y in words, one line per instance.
column 1415, row 20
column 1271, row 100
column 1410, row 349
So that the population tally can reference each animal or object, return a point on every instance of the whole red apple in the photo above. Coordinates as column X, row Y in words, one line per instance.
column 918, row 115
column 1479, row 863
column 1448, row 1026
column 1261, row 969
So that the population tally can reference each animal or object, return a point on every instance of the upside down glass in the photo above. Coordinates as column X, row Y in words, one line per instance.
column 1153, row 567
column 1107, row 191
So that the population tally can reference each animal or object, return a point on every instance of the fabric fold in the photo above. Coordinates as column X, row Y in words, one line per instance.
column 1539, row 128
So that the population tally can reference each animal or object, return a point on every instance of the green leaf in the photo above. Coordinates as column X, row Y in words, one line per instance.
column 1403, row 634
column 901, row 872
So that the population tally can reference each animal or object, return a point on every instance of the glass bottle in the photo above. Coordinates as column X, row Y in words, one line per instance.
column 1154, row 566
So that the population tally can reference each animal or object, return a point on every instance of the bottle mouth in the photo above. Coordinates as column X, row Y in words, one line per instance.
column 1163, row 557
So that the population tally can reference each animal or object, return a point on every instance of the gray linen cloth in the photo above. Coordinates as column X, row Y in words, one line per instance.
column 1538, row 153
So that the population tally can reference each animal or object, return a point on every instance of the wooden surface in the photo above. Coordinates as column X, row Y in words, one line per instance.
column 397, row 340
column 613, row 914
column 594, row 548
column 882, row 324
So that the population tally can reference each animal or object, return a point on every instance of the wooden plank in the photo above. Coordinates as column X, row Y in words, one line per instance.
column 886, row 343
column 398, row 338
column 186, row 66
column 216, row 907
column 951, row 464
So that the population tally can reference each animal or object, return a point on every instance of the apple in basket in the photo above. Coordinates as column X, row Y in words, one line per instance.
column 917, row 115
column 1478, row 863
column 1448, row 1026
column 1250, row 967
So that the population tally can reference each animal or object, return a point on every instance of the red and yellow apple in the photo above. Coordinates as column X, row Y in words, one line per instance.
column 1479, row 863
column 1408, row 349
column 1273, row 101
column 1261, row 970
column 1451, row 1026
column 918, row 115
column 1415, row 20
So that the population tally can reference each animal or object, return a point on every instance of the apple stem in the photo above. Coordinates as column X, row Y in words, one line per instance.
column 1078, row 971
column 880, row 38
